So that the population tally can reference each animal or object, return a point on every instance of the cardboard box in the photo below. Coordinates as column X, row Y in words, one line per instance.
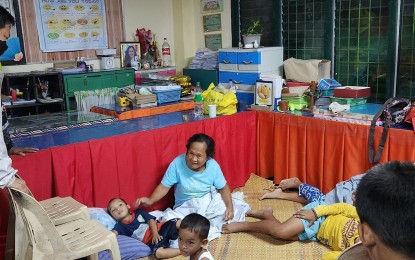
column 352, row 92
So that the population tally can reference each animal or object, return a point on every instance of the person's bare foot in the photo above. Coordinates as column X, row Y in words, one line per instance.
column 275, row 194
column 232, row 227
column 290, row 183
column 259, row 213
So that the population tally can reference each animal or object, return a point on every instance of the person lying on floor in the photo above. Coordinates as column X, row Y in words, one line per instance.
column 343, row 192
column 335, row 225
column 141, row 225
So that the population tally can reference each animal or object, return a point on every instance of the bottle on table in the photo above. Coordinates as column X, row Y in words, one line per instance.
column 165, row 53
column 199, row 108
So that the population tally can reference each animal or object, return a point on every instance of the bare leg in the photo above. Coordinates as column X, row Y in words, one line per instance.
column 261, row 214
column 283, row 195
column 163, row 253
column 290, row 183
column 285, row 231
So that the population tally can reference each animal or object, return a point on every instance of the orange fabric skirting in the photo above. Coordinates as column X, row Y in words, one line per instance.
column 321, row 152
column 142, row 112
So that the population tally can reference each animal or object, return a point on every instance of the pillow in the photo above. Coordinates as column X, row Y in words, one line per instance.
column 101, row 215
column 130, row 248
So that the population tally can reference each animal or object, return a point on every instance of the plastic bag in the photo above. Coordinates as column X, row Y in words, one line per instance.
column 225, row 103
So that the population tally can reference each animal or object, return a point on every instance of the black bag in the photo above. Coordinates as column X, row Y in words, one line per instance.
column 392, row 113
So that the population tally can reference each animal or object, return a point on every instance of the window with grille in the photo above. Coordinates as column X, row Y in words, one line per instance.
column 303, row 29
column 361, row 37
column 358, row 36
column 406, row 66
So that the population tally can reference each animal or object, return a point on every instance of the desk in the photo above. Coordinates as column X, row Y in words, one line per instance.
column 132, row 165
column 321, row 152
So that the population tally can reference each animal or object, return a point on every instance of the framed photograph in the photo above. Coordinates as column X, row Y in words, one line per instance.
column 264, row 94
column 130, row 54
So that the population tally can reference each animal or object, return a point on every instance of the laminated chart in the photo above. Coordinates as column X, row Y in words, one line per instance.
column 67, row 25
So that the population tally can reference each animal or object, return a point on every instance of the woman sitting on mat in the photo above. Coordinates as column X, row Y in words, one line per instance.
column 193, row 173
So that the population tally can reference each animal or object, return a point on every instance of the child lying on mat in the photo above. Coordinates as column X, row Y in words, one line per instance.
column 334, row 225
column 343, row 192
column 141, row 225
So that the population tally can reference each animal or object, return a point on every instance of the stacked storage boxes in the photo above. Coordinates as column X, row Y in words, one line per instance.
column 245, row 66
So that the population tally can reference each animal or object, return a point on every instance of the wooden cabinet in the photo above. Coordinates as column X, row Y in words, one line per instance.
column 93, row 80
column 31, row 101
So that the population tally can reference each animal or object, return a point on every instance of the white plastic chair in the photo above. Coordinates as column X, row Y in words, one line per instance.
column 72, row 240
column 60, row 210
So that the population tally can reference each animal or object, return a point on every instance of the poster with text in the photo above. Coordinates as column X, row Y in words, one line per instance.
column 68, row 25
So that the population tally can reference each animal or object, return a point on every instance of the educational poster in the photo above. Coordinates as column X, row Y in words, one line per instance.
column 211, row 6
column 68, row 25
column 212, row 23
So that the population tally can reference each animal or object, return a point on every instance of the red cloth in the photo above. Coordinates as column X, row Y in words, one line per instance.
column 322, row 152
column 132, row 165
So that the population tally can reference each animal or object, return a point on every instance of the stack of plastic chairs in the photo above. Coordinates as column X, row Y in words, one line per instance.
column 56, row 228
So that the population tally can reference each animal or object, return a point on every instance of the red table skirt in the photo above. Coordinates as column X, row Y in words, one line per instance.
column 132, row 165
column 321, row 152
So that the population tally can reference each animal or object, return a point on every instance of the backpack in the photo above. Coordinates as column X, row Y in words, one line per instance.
column 391, row 114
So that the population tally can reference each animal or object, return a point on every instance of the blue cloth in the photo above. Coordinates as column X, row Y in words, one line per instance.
column 309, row 233
column 130, row 249
column 344, row 190
column 191, row 184
column 310, row 193
column 169, row 232
column 137, row 228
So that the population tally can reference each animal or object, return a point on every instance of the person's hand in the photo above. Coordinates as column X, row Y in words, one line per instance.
column 156, row 238
column 308, row 215
column 20, row 185
column 228, row 214
column 22, row 150
column 144, row 201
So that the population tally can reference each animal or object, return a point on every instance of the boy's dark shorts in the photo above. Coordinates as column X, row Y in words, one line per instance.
column 169, row 232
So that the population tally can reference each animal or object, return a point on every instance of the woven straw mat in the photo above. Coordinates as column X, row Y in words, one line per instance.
column 241, row 246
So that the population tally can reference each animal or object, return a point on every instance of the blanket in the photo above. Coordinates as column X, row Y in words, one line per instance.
column 212, row 207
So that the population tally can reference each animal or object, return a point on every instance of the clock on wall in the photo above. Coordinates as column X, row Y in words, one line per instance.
column 107, row 62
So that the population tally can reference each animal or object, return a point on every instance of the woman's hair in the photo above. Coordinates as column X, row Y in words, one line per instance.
column 203, row 138
column 127, row 59
column 196, row 223
column 5, row 18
